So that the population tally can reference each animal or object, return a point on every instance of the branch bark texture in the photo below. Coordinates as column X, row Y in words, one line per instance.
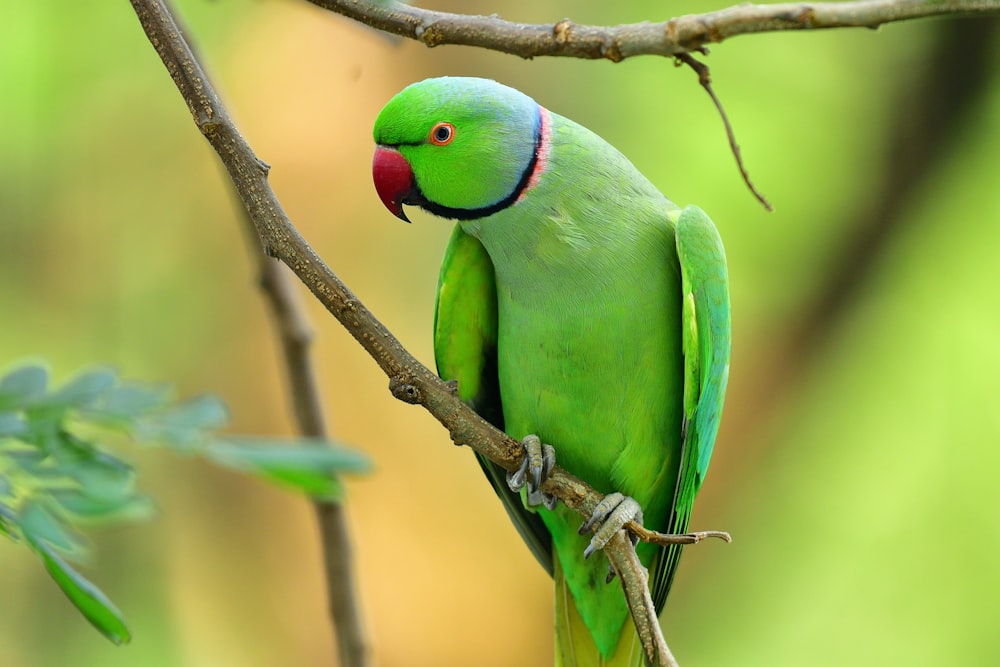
column 409, row 380
column 616, row 43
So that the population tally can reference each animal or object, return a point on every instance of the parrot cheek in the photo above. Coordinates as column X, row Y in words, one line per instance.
column 393, row 180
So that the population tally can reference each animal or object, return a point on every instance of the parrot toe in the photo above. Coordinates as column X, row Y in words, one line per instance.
column 613, row 512
column 539, row 460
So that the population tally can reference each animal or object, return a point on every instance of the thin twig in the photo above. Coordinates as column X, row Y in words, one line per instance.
column 666, row 539
column 616, row 43
column 705, row 79
column 295, row 334
column 409, row 380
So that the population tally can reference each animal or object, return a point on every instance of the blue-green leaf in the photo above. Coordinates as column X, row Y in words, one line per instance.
column 39, row 525
column 183, row 426
column 101, row 475
column 83, row 506
column 202, row 412
column 81, row 390
column 8, row 522
column 11, row 424
column 30, row 460
column 22, row 385
column 130, row 400
column 311, row 468
column 87, row 597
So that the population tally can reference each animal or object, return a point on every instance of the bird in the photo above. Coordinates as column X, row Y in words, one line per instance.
column 581, row 312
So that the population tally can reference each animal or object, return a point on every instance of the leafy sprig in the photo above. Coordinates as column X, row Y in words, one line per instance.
column 57, row 473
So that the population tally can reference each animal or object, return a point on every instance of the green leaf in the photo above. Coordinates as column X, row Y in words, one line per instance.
column 11, row 424
column 86, row 507
column 102, row 476
column 31, row 460
column 130, row 400
column 84, row 595
column 39, row 524
column 8, row 522
column 308, row 468
column 22, row 385
column 202, row 412
column 183, row 426
column 81, row 390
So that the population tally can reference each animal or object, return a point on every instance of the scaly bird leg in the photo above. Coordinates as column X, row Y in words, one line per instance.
column 610, row 515
column 613, row 512
column 539, row 460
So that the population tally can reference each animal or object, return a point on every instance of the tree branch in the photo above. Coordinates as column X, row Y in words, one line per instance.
column 295, row 334
column 640, row 602
column 409, row 380
column 677, row 37
column 616, row 43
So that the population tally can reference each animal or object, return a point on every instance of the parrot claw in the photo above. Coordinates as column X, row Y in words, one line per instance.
column 516, row 479
column 613, row 512
column 539, row 460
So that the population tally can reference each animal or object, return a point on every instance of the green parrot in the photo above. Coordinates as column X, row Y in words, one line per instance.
column 577, row 307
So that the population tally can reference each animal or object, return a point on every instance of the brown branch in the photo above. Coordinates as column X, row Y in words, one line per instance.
column 677, row 37
column 666, row 539
column 640, row 602
column 409, row 380
column 295, row 335
column 616, row 43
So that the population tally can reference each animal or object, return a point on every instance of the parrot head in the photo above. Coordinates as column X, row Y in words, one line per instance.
column 461, row 148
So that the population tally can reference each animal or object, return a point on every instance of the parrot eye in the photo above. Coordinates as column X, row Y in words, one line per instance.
column 442, row 134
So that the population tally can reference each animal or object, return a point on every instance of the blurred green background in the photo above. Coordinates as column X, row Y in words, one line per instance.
column 858, row 460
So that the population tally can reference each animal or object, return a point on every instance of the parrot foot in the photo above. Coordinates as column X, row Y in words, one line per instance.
column 613, row 512
column 539, row 460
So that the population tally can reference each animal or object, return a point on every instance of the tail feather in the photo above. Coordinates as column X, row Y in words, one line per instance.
column 575, row 646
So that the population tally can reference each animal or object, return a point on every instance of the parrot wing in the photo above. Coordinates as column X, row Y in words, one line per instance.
column 705, row 335
column 465, row 349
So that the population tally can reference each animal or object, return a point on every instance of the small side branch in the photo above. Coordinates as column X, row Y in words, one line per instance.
column 666, row 539
column 705, row 79
column 616, row 43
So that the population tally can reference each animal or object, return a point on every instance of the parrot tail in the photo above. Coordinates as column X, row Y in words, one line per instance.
column 575, row 646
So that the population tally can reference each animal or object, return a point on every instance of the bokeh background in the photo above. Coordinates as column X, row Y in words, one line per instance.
column 857, row 466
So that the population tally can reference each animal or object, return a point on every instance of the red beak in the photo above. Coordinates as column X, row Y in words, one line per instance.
column 393, row 179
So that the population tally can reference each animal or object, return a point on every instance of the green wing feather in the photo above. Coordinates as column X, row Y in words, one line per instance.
column 705, row 335
column 465, row 349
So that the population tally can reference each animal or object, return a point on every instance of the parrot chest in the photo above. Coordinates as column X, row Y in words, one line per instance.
column 595, row 369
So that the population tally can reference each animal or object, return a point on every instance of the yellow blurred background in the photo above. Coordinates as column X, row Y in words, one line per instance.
column 857, row 464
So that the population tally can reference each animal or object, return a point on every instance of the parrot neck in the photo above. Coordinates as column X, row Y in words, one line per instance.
column 529, row 177
column 540, row 160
